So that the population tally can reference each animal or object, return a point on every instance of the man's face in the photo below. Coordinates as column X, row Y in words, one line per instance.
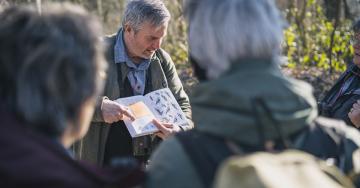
column 143, row 43
column 356, row 46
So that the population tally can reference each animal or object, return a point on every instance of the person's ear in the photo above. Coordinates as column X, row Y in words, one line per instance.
column 127, row 28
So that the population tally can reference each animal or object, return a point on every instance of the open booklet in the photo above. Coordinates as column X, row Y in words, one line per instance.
column 159, row 104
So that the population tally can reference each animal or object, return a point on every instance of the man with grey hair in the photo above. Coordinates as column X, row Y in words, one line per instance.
column 246, row 102
column 137, row 66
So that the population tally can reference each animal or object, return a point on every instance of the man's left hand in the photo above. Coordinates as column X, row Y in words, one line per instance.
column 165, row 129
column 354, row 114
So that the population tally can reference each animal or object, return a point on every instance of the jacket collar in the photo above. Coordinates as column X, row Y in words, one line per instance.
column 223, row 106
column 248, row 64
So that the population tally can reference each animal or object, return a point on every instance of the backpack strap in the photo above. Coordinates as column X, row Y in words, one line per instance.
column 259, row 105
column 205, row 152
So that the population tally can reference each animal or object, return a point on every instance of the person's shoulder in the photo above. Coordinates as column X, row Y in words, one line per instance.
column 170, row 167
column 163, row 55
column 109, row 43
column 168, row 148
column 108, row 39
column 349, row 68
column 350, row 65
column 169, row 155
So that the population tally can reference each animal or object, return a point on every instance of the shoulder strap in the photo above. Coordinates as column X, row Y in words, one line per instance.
column 205, row 152
column 259, row 105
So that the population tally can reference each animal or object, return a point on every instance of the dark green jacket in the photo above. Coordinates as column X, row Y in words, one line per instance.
column 338, row 101
column 163, row 74
column 222, row 107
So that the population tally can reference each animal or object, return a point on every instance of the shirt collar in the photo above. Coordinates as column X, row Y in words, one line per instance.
column 119, row 48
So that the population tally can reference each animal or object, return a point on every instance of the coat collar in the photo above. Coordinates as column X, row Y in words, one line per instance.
column 224, row 106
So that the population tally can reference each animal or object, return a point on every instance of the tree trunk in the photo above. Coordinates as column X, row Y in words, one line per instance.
column 38, row 6
column 100, row 9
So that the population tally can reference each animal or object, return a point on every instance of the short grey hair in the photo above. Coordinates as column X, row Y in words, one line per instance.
column 223, row 31
column 139, row 11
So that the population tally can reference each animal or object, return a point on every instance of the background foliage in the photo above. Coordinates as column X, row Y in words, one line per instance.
column 317, row 40
column 316, row 43
column 314, row 40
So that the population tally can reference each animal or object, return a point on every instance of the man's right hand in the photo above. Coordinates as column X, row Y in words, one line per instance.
column 114, row 112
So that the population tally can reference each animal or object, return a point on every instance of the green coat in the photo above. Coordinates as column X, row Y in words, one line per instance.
column 222, row 107
column 92, row 146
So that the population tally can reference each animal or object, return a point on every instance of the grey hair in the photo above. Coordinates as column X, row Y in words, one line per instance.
column 139, row 11
column 50, row 64
column 223, row 31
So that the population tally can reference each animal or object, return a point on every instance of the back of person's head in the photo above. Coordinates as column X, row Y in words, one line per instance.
column 138, row 12
column 50, row 65
column 222, row 32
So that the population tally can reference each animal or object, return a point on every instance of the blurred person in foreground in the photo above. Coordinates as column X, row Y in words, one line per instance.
column 340, row 99
column 137, row 66
column 243, row 98
column 51, row 70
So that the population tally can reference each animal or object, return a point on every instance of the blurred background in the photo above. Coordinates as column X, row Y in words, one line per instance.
column 316, row 45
